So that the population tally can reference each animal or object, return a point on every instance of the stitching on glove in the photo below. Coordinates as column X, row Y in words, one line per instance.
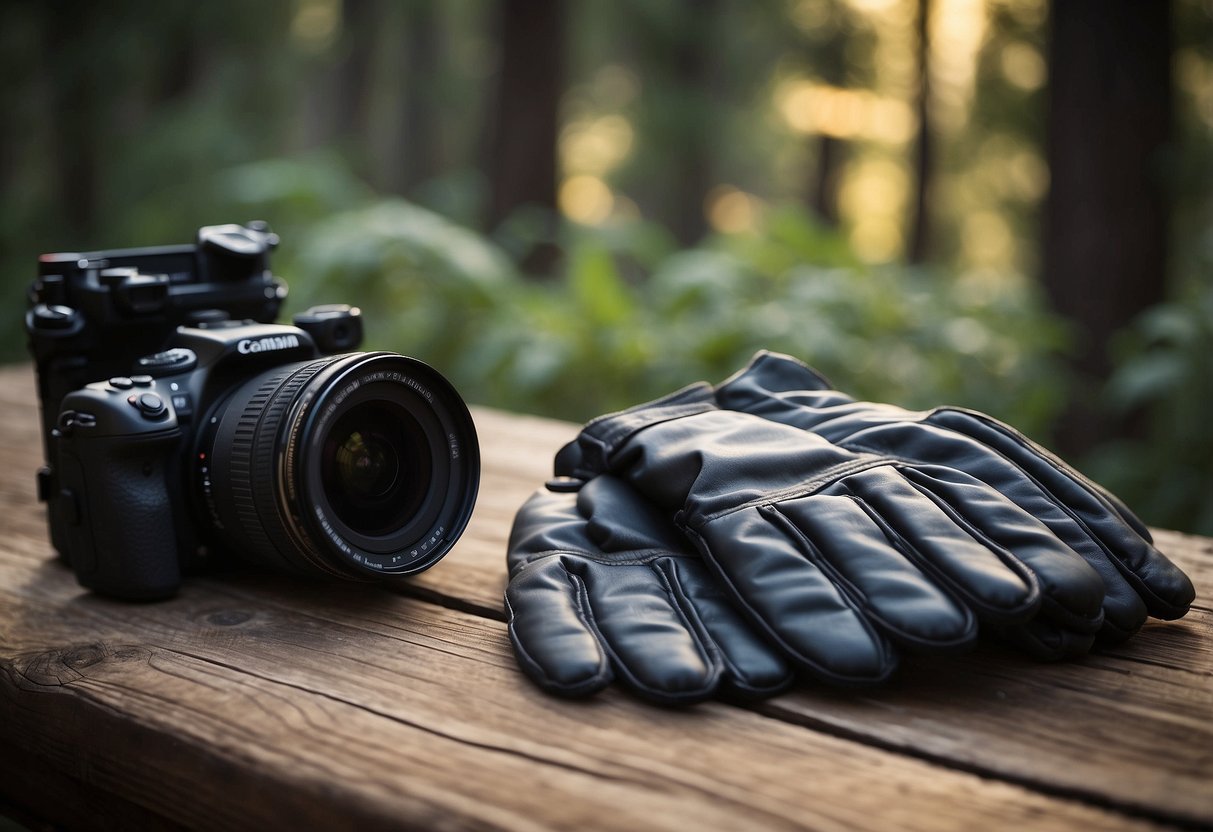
column 1008, row 558
column 533, row 669
column 639, row 558
column 1046, row 456
column 909, row 552
column 806, row 488
column 621, row 668
column 1154, row 602
column 929, row 568
column 708, row 650
column 585, row 612
column 1047, row 494
column 612, row 434
column 739, row 599
column 1134, row 581
column 815, row 556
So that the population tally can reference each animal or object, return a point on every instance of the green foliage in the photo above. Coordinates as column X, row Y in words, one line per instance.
column 1165, row 378
column 594, row 341
column 133, row 124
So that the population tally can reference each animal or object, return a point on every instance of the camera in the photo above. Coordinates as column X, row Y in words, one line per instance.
column 217, row 432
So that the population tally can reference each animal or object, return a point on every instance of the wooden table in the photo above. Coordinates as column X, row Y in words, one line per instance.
column 254, row 702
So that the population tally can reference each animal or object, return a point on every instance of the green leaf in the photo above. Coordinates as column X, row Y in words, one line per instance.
column 600, row 295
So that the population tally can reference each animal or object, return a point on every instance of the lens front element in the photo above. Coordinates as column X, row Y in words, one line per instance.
column 376, row 467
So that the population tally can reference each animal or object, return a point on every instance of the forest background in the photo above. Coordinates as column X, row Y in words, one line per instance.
column 569, row 207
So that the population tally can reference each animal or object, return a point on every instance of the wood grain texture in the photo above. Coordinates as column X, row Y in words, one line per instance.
column 254, row 704
column 253, row 701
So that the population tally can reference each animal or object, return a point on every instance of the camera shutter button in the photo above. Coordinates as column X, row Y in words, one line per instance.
column 149, row 404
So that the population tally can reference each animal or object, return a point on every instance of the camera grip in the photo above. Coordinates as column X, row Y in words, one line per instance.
column 123, row 542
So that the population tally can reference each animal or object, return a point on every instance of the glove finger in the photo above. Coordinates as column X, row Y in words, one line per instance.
column 1085, row 516
column 1046, row 641
column 996, row 585
column 655, row 648
column 859, row 553
column 1165, row 589
column 553, row 634
column 1015, row 495
column 791, row 600
column 1037, row 531
column 752, row 666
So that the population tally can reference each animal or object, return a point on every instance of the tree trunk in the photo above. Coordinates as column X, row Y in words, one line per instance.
column 522, row 155
column 1105, row 238
column 77, row 132
column 918, row 245
column 827, row 178
column 827, row 55
column 352, row 75
column 694, row 55
column 418, row 114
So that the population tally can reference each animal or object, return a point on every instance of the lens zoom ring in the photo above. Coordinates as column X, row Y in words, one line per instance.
column 252, row 461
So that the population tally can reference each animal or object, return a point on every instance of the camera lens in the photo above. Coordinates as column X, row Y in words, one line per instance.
column 375, row 468
column 362, row 466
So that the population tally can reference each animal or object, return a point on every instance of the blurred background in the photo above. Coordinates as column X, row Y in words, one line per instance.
column 570, row 207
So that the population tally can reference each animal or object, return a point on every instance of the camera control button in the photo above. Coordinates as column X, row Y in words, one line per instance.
column 176, row 360
column 149, row 404
column 69, row 420
column 53, row 317
column 141, row 381
column 205, row 317
column 121, row 383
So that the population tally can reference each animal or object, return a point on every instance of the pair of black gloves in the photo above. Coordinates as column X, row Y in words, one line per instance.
column 723, row 538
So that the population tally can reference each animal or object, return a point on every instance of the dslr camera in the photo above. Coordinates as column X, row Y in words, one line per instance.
column 180, row 424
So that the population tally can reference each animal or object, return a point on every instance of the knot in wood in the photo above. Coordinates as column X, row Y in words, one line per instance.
column 228, row 618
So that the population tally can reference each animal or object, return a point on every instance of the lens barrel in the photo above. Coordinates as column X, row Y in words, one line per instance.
column 362, row 466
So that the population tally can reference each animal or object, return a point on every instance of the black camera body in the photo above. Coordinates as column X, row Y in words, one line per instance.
column 91, row 315
column 219, row 432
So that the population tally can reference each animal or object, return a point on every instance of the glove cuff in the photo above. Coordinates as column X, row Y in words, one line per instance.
column 589, row 454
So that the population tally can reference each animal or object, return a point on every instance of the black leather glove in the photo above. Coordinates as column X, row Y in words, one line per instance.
column 1137, row 580
column 602, row 586
column 835, row 550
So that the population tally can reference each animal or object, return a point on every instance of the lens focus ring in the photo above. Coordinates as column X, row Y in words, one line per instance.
column 252, row 461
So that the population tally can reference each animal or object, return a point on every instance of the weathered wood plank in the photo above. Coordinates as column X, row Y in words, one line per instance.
column 251, row 705
column 1125, row 728
column 32, row 790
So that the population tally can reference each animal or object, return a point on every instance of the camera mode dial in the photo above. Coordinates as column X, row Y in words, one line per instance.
column 168, row 362
column 53, row 318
